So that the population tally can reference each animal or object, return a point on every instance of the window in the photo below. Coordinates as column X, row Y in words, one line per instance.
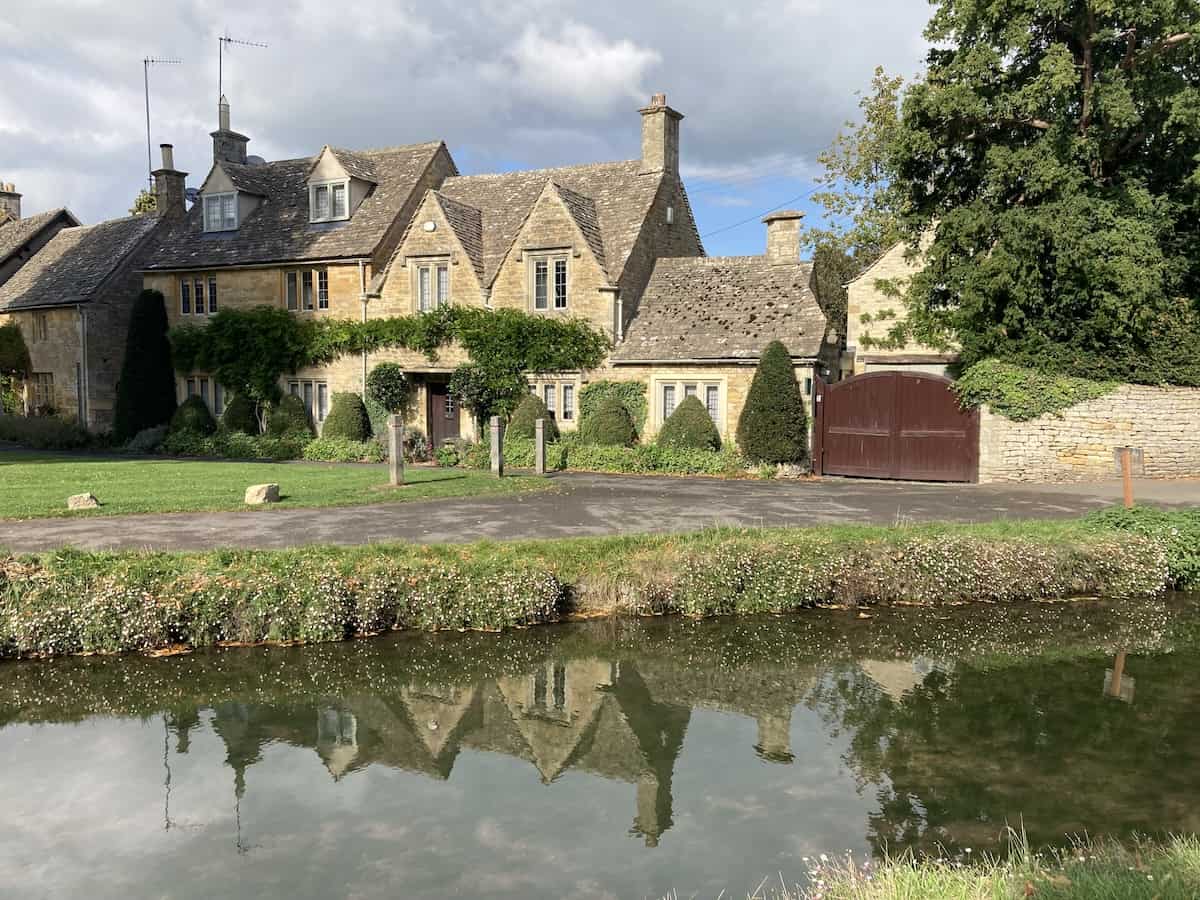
column 450, row 407
column 212, row 294
column 292, row 296
column 206, row 388
column 568, row 404
column 668, row 395
column 328, row 201
column 198, row 296
column 315, row 395
column 689, row 390
column 306, row 291
column 548, row 394
column 433, row 284
column 192, row 295
column 185, row 297
column 322, row 289
column 220, row 212
column 218, row 404
column 41, row 327
column 322, row 400
column 43, row 390
column 711, row 401
column 548, row 282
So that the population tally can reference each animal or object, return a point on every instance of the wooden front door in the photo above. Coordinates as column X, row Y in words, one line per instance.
column 903, row 425
column 442, row 413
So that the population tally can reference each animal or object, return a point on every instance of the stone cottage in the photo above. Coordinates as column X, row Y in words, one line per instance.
column 70, row 289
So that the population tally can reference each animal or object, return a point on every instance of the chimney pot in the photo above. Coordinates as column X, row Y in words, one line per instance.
column 168, row 156
column 10, row 200
column 169, row 186
column 228, row 145
column 783, row 237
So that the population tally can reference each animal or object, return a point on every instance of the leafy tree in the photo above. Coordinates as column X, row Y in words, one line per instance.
column 690, row 427
column 144, row 202
column 523, row 421
column 347, row 418
column 388, row 386
column 833, row 269
column 146, row 389
column 773, row 427
column 289, row 416
column 1053, row 148
column 193, row 417
column 491, row 390
column 609, row 425
column 15, row 366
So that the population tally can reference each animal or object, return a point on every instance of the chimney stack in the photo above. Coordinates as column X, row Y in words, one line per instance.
column 169, row 184
column 783, row 237
column 228, row 145
column 660, row 137
column 10, row 200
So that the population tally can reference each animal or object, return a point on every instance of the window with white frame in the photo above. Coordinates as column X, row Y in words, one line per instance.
column 207, row 389
column 314, row 394
column 197, row 295
column 328, row 201
column 559, row 397
column 670, row 393
column 432, row 285
column 548, row 281
column 306, row 290
column 43, row 390
column 668, row 401
column 568, row 402
column 548, row 397
column 712, row 402
column 221, row 212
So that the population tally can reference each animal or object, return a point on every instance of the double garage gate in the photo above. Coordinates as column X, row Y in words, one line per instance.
column 899, row 425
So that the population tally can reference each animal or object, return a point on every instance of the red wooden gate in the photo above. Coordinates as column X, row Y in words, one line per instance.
column 901, row 425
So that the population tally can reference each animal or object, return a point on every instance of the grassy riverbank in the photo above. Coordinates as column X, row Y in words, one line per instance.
column 1087, row 871
column 67, row 602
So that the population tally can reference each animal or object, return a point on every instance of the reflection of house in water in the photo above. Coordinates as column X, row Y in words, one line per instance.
column 896, row 677
column 619, row 721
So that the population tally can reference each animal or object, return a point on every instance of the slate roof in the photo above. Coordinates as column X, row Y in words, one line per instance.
column 74, row 265
column 609, row 200
column 467, row 224
column 16, row 233
column 279, row 230
column 723, row 307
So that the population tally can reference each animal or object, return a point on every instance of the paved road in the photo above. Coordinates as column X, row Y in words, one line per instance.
column 591, row 505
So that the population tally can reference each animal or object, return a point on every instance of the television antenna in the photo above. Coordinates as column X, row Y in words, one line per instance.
column 147, row 62
column 224, row 42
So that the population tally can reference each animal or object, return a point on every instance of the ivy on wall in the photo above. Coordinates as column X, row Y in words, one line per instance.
column 1022, row 394
column 249, row 350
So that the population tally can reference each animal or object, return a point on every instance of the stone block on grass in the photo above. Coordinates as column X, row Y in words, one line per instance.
column 83, row 501
column 258, row 494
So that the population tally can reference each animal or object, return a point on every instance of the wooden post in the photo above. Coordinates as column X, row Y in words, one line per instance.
column 539, row 446
column 396, row 449
column 1127, row 475
column 497, row 447
column 1118, row 672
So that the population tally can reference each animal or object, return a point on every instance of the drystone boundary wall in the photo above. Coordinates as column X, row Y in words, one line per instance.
column 1078, row 444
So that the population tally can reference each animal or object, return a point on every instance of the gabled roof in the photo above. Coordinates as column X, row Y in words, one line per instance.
column 467, row 224
column 357, row 165
column 619, row 201
column 16, row 233
column 724, row 308
column 279, row 231
column 75, row 264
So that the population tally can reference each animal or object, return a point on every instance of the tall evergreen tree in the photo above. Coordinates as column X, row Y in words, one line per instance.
column 146, row 391
column 773, row 427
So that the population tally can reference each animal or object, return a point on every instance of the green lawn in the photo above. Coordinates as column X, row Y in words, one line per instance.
column 34, row 485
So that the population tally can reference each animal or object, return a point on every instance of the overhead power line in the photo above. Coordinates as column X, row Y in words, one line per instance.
column 749, row 219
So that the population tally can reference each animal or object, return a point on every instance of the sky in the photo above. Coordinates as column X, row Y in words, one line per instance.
column 507, row 84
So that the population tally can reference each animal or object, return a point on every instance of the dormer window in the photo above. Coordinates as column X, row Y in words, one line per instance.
column 328, row 201
column 220, row 212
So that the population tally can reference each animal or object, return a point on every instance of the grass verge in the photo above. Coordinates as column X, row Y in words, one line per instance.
column 37, row 484
column 67, row 601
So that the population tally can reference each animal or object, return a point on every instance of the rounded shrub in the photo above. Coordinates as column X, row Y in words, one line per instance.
column 523, row 421
column 240, row 415
column 631, row 393
column 193, row 417
column 388, row 386
column 289, row 416
column 690, row 427
column 773, row 427
column 148, row 440
column 347, row 419
column 610, row 425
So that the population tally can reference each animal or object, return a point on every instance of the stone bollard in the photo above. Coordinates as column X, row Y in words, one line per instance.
column 539, row 446
column 497, row 447
column 396, row 450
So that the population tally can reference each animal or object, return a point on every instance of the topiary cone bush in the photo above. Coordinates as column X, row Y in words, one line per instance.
column 241, row 415
column 193, row 417
column 690, row 427
column 347, row 418
column 289, row 416
column 146, row 389
column 773, row 427
column 610, row 425
column 528, row 412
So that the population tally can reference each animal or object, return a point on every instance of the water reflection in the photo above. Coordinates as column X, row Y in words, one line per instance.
column 730, row 749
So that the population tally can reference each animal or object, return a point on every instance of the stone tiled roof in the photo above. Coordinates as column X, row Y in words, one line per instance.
column 467, row 223
column 279, row 230
column 620, row 199
column 583, row 211
column 730, row 307
column 75, row 264
column 16, row 233
column 357, row 165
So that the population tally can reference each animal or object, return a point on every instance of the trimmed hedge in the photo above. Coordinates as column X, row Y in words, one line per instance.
column 235, row 445
column 335, row 449
column 289, row 417
column 632, row 394
column 347, row 419
column 689, row 427
column 641, row 459
column 146, row 388
column 193, row 417
column 523, row 421
column 241, row 415
column 43, row 433
column 773, row 427
column 610, row 425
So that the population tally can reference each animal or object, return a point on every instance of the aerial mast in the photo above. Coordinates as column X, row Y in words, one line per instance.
column 147, row 62
column 224, row 42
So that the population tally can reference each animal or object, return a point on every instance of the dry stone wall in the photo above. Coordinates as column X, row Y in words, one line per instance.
column 1078, row 444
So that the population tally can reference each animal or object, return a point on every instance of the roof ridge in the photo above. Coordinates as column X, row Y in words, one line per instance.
column 546, row 170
